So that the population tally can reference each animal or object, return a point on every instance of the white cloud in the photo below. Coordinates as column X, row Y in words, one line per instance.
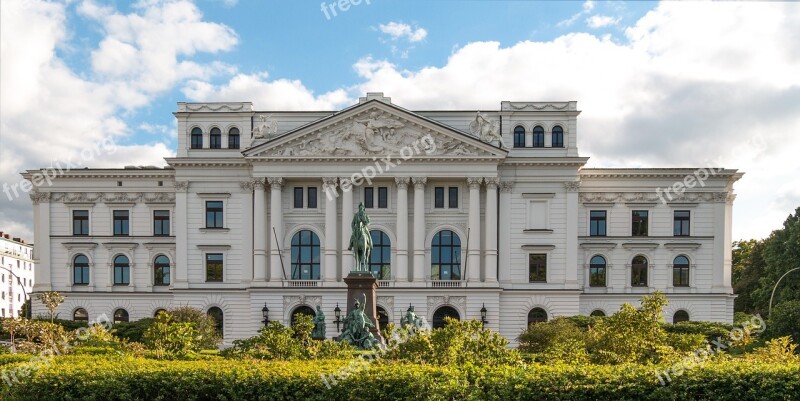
column 586, row 8
column 399, row 30
column 600, row 21
column 50, row 113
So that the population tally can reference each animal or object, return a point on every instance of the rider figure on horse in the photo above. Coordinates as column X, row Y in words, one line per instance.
column 360, row 239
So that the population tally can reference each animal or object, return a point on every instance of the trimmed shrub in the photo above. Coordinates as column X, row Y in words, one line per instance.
column 132, row 331
column 203, row 323
column 166, row 336
column 710, row 330
column 540, row 337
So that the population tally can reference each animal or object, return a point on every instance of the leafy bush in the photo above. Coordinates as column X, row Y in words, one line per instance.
column 785, row 320
column 116, row 379
column 711, row 330
column 777, row 350
column 457, row 343
column 132, row 331
column 276, row 342
column 203, row 323
column 540, row 337
column 166, row 336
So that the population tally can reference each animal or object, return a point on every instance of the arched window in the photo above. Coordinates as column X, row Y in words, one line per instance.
column 233, row 138
column 597, row 271
column 597, row 313
column 197, row 138
column 216, row 314
column 519, row 136
column 122, row 270
column 383, row 317
column 380, row 260
column 680, row 271
column 443, row 312
column 302, row 310
column 80, row 270
column 159, row 310
column 80, row 315
column 161, row 270
column 537, row 315
column 538, row 137
column 120, row 316
column 680, row 316
column 639, row 271
column 446, row 256
column 215, row 139
column 558, row 137
column 305, row 256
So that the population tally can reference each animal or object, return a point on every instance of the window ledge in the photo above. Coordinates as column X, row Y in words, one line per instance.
column 538, row 230
column 214, row 230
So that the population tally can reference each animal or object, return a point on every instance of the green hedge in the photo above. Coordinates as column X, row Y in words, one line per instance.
column 128, row 378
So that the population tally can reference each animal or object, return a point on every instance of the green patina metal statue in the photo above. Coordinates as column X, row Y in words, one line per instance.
column 360, row 240
column 357, row 325
column 319, row 325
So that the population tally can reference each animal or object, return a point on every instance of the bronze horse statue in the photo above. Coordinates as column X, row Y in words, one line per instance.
column 360, row 240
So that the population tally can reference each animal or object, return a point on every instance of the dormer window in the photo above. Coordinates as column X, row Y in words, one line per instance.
column 197, row 138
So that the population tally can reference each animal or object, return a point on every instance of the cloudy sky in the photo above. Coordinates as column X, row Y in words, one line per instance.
column 671, row 84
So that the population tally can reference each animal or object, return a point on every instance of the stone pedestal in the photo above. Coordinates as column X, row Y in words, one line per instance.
column 363, row 283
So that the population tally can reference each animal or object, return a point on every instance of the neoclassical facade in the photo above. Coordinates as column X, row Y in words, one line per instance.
column 469, row 210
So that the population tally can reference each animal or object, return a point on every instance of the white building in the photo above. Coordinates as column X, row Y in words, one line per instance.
column 16, row 274
column 240, row 219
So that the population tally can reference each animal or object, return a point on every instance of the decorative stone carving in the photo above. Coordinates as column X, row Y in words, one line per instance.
column 379, row 134
column 605, row 197
column 165, row 197
column 540, row 106
column 506, row 186
column 330, row 183
column 419, row 182
column 487, row 129
column 474, row 182
column 214, row 107
column 122, row 197
column 265, row 127
column 388, row 302
column 492, row 182
column 292, row 301
column 37, row 197
column 275, row 182
column 458, row 301
column 181, row 186
column 402, row 182
column 572, row 186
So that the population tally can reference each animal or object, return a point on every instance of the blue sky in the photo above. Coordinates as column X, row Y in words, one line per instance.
column 660, row 84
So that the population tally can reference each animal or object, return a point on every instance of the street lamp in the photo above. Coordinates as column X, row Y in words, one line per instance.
column 483, row 315
column 776, row 287
column 265, row 314
column 337, row 312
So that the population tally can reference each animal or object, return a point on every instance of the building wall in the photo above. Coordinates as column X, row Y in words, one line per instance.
column 16, row 275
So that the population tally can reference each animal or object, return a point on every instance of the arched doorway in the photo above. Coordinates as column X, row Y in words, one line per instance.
column 302, row 310
column 537, row 315
column 217, row 315
column 441, row 313
column 383, row 318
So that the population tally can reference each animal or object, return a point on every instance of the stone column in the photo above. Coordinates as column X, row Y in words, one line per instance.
column 571, row 257
column 474, row 233
column 259, row 232
column 419, row 228
column 181, row 233
column 347, row 219
column 400, row 267
column 490, row 231
column 329, row 186
column 41, row 254
column 504, row 233
column 276, row 231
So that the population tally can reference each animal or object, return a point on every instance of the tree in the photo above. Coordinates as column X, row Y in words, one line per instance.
column 781, row 254
column 747, row 268
column 51, row 300
column 785, row 320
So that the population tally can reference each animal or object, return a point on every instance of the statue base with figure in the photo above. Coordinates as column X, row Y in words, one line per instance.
column 361, row 288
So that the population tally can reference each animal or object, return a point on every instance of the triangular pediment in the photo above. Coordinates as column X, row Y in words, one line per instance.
column 375, row 129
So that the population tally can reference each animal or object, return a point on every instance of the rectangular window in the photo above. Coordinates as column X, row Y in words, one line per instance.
column 197, row 141
column 369, row 197
column 298, row 197
column 452, row 197
column 383, row 197
column 80, row 222
column 121, row 222
column 214, row 214
column 680, row 225
column 639, row 223
column 233, row 141
column 213, row 267
column 537, row 268
column 215, row 141
column 312, row 197
column 438, row 197
column 597, row 223
column 161, row 222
